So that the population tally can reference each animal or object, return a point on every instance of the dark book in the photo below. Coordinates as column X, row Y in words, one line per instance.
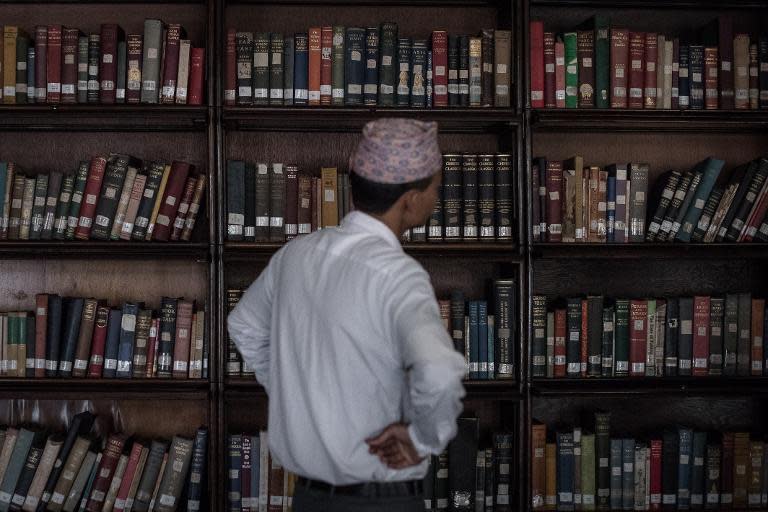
column 276, row 72
column 27, row 474
column 565, row 471
column 428, row 483
column 195, row 490
column 487, row 73
column 453, row 70
column 354, row 66
column 276, row 203
column 675, row 205
column 608, row 339
column 15, row 465
column 239, row 189
column 73, row 308
column 122, row 60
column 41, row 62
column 664, row 192
column 638, row 176
column 503, row 197
column 685, row 337
column 585, row 52
column 743, row 345
column 53, row 338
column 111, row 34
column 244, row 60
column 573, row 340
column 301, row 69
column 762, row 57
column 112, row 343
column 109, row 460
column 712, row 477
column 38, row 207
column 127, row 340
column 94, row 65
column 388, row 63
column 288, row 63
column 554, row 200
column 669, row 470
column 53, row 64
column 291, row 222
column 684, row 82
column 685, row 450
column 262, row 202
column 168, row 309
column 371, row 75
column 261, row 68
column 485, row 196
column 539, row 345
column 616, row 474
column 594, row 335
column 716, row 317
column 503, row 447
column 49, row 214
column 504, row 293
column 23, row 68
column 155, row 172
column 603, row 455
column 457, row 320
column 697, row 470
column 746, row 201
column 696, row 73
column 82, row 69
column 234, row 463
column 442, row 489
column 452, row 197
column 75, row 202
column 473, row 313
column 730, row 334
column 621, row 328
column 143, row 327
column 174, row 477
column 462, row 454
column 111, row 188
column 170, row 200
column 464, row 71
column 627, row 474
column 671, row 337
column 707, row 214
column 150, row 475
column 90, row 197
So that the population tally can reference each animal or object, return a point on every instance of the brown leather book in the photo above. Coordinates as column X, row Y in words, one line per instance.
column 109, row 460
column 594, row 205
column 304, row 204
column 181, row 213
column 196, row 76
column 440, row 68
column 326, row 48
column 90, row 197
column 230, row 68
column 173, row 38
column 486, row 74
column 143, row 325
column 741, row 464
column 330, row 212
column 135, row 48
column 502, row 67
column 585, row 52
column 316, row 204
column 194, row 207
column 550, row 486
column 651, row 56
column 53, row 65
column 96, row 363
column 83, row 349
column 758, row 315
column 41, row 331
column 276, row 476
column 711, row 92
column 197, row 345
column 170, row 200
column 538, row 465
column 134, row 200
column 182, row 339
column 41, row 63
column 111, row 33
column 315, row 63
column 619, row 67
column 554, row 201
column 291, row 201
column 549, row 70
column 71, row 465
column 636, row 69
column 741, row 72
column 70, row 40
column 754, row 80
column 277, row 203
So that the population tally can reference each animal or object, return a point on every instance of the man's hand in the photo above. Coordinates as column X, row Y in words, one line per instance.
column 394, row 447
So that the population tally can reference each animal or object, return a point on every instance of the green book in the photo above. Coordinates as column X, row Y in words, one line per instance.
column 602, row 62
column 387, row 64
column 15, row 465
column 588, row 472
column 571, row 71
column 621, row 328
column 711, row 170
column 81, row 177
column 261, row 68
column 22, row 48
column 337, row 66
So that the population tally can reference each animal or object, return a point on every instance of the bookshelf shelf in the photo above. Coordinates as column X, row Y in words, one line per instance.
column 654, row 4
column 650, row 250
column 352, row 119
column 719, row 385
column 625, row 120
column 191, row 389
column 103, row 118
column 117, row 250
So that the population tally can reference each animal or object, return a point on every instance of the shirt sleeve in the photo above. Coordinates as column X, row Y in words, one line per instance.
column 434, row 367
column 249, row 324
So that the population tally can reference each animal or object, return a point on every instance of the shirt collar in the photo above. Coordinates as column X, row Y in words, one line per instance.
column 371, row 225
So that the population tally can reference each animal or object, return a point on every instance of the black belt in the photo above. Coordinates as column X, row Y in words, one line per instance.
column 368, row 489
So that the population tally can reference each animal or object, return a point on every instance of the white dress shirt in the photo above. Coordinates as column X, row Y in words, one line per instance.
column 343, row 330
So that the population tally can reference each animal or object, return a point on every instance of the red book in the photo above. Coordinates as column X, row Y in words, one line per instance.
column 440, row 68
column 99, row 341
column 554, row 201
column 675, row 74
column 196, row 74
column 326, row 46
column 758, row 315
column 758, row 213
column 90, row 197
column 230, row 68
column 700, row 336
column 636, row 71
column 171, row 66
column 53, row 64
column 559, row 351
column 181, row 343
column 41, row 62
column 69, row 67
column 181, row 214
column 619, row 67
column 549, row 70
column 152, row 342
column 651, row 56
column 41, row 332
column 109, row 458
column 559, row 74
column 655, row 475
column 110, row 35
column 638, row 337
column 315, row 62
column 128, row 477
column 584, row 338
column 537, row 64
column 711, row 93
column 171, row 200
column 134, row 51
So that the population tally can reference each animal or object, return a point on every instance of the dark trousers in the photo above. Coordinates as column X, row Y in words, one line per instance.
column 316, row 500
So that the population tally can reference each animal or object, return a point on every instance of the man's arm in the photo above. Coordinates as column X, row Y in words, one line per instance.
column 249, row 324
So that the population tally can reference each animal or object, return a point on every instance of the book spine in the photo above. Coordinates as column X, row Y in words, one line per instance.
column 53, row 64
column 549, row 70
column 684, row 75
column 537, row 64
column 504, row 303
column 41, row 62
column 150, row 64
column 486, row 74
column 167, row 335
column 701, row 333
column 711, row 90
column 171, row 60
column 182, row 75
column 182, row 339
column 171, row 200
column 636, row 70
column 418, row 74
column 276, row 68
column 300, row 69
column 619, row 67
column 289, row 47
column 585, row 51
column 354, row 66
column 69, row 50
column 675, row 101
column 696, row 71
column 108, row 63
column 326, row 51
column 244, row 64
column 502, row 68
column 371, row 73
column 109, row 198
column 230, row 68
column 475, row 71
column 90, row 198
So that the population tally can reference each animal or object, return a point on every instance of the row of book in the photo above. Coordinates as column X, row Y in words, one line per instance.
column 84, row 337
column 574, row 202
column 77, row 470
column 114, row 198
column 676, row 469
column 601, row 66
column 276, row 202
column 376, row 66
column 698, row 336
column 61, row 65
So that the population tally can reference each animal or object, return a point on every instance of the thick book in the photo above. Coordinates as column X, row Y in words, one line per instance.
column 502, row 68
column 701, row 334
column 462, row 453
column 72, row 321
column 111, row 35
column 109, row 198
column 585, row 52
column 354, row 66
column 565, row 471
column 371, row 74
column 150, row 62
column 98, row 344
column 156, row 174
column 173, row 479
column 537, row 64
column 127, row 340
column 301, row 69
column 170, row 200
column 90, row 198
column 112, row 343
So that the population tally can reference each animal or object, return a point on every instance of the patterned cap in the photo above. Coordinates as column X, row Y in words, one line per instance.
column 396, row 151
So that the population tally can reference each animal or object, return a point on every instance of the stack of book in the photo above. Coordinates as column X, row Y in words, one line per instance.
column 78, row 471
column 84, row 337
column 61, row 65
column 276, row 202
column 375, row 66
column 698, row 336
column 574, row 202
column 678, row 468
column 114, row 198
column 601, row 66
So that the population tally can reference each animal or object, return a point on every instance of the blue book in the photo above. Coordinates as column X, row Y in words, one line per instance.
column 300, row 69
column 565, row 468
column 684, row 84
column 711, row 170
column 627, row 474
column 610, row 213
column 685, row 447
column 73, row 315
column 474, row 334
column 288, row 64
column 196, row 479
column 698, row 477
column 371, row 87
column 234, row 459
column 491, row 347
column 616, row 476
column 112, row 344
column 127, row 340
column 482, row 339
column 354, row 67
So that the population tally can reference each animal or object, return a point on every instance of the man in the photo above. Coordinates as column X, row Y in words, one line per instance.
column 343, row 331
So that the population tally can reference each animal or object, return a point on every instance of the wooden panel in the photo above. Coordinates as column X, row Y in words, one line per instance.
column 412, row 21
column 115, row 281
column 89, row 18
